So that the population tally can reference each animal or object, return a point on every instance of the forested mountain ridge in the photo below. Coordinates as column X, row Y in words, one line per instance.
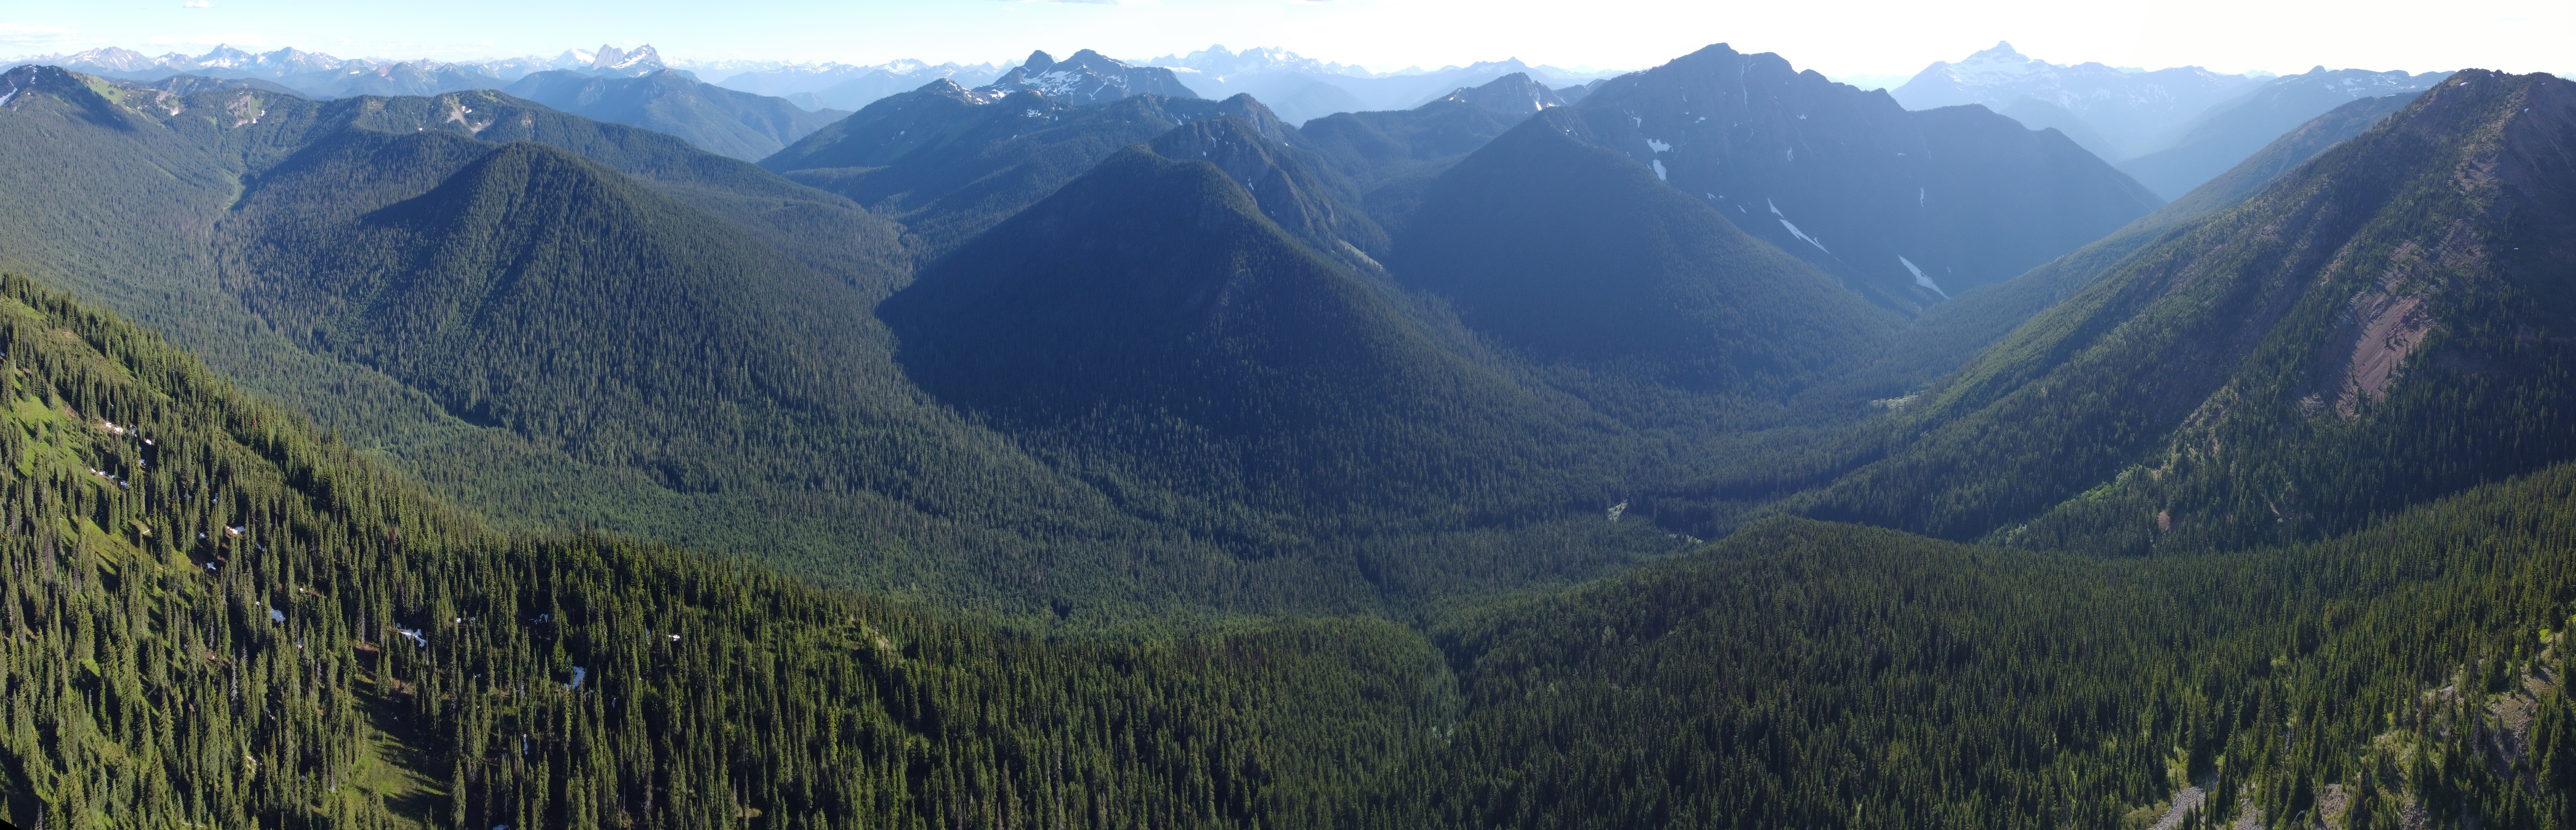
column 950, row 162
column 2249, row 380
column 1805, row 674
column 722, row 121
column 218, row 618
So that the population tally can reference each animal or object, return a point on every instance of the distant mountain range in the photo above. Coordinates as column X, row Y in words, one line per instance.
column 2231, row 130
column 721, row 121
column 2126, row 109
column 318, row 75
column 1173, row 462
column 1301, row 89
column 846, row 87
column 2171, row 128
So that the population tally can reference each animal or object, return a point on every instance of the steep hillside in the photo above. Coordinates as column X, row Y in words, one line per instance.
column 1573, row 254
column 1802, row 674
column 2377, row 328
column 720, row 121
column 1950, row 334
column 218, row 618
column 1907, row 207
column 2232, row 130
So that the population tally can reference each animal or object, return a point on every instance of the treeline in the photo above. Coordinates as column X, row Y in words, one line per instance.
column 217, row 618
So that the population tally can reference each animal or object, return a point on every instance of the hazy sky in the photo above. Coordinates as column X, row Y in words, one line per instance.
column 1837, row 38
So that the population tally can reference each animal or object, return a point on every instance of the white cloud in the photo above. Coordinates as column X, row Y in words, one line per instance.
column 198, row 4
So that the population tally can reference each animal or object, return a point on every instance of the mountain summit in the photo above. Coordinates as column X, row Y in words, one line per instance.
column 1907, row 207
column 1087, row 78
column 613, row 61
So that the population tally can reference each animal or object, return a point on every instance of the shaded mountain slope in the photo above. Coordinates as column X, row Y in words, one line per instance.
column 1393, row 156
column 1950, row 334
column 1906, row 207
column 1294, row 188
column 718, row 120
column 1153, row 322
column 2379, row 327
column 1573, row 254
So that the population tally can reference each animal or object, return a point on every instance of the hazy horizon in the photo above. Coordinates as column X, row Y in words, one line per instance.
column 1891, row 39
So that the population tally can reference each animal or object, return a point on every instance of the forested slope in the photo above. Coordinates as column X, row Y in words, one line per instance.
column 1802, row 674
column 404, row 270
column 2375, row 329
column 217, row 617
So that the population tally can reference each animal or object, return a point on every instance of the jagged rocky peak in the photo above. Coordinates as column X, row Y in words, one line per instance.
column 1513, row 93
column 1087, row 77
column 644, row 60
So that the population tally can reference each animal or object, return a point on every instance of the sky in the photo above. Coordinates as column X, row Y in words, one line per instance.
column 1852, row 37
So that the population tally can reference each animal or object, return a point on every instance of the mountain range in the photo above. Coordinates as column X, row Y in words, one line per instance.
column 721, row 121
column 2170, row 128
column 2126, row 110
column 2231, row 130
column 1302, row 89
column 845, row 87
column 319, row 75
column 1082, row 449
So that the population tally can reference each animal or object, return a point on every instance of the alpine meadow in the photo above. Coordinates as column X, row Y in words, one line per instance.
column 717, row 437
